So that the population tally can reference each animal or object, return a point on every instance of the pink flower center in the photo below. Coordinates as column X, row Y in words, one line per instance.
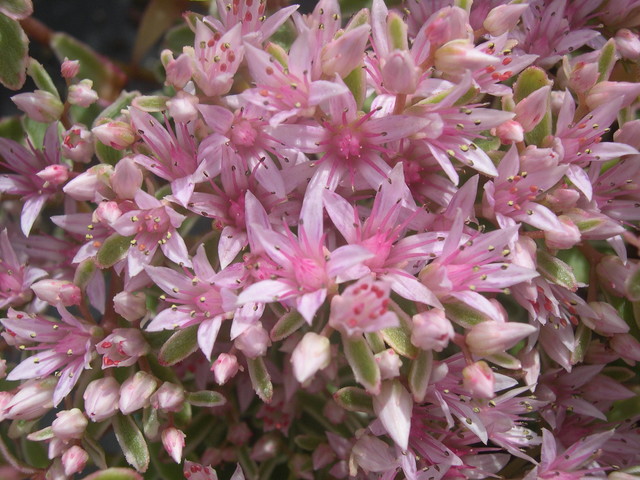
column 309, row 274
column 348, row 143
column 243, row 133
column 156, row 221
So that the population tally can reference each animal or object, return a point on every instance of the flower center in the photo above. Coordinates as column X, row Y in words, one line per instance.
column 243, row 133
column 309, row 274
column 348, row 144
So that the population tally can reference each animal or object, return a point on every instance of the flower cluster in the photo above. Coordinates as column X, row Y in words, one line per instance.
column 399, row 245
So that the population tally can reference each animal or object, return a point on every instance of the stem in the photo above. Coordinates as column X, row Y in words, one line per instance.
column 401, row 100
column 36, row 30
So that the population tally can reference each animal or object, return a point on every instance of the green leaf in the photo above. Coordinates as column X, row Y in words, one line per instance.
column 84, row 272
column 16, row 9
column 151, row 103
column 419, row 374
column 362, row 362
column 556, row 271
column 583, row 339
column 356, row 82
column 505, row 360
column 354, row 399
column 632, row 286
column 286, row 325
column 107, row 78
column 260, row 378
column 179, row 346
column 360, row 18
column 131, row 442
column 397, row 31
column 178, row 37
column 530, row 80
column 115, row 474
column 578, row 263
column 14, row 47
column 34, row 453
column 150, row 422
column 107, row 154
column 606, row 60
column 206, row 398
column 41, row 78
column 41, row 435
column 11, row 127
column 95, row 451
column 113, row 249
column 114, row 110
column 35, row 131
column 308, row 442
column 157, row 18
column 399, row 338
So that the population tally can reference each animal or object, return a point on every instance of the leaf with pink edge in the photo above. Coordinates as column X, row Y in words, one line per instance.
column 363, row 363
column 179, row 346
column 14, row 46
column 132, row 442
column 115, row 474
column 354, row 399
column 206, row 398
column 286, row 325
column 420, row 374
column 556, row 271
column 113, row 249
column 41, row 78
column 260, row 378
column 16, row 9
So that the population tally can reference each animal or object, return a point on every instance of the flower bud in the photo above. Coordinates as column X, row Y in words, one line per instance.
column 607, row 322
column 183, row 107
column 135, row 392
column 122, row 348
column 531, row 110
column 173, row 443
column 431, row 330
column 40, row 105
column 106, row 213
column 82, row 94
column 399, row 73
column 69, row 68
column 130, row 306
column 101, row 398
column 478, row 380
column 178, row 70
column 491, row 337
column 57, row 292
column 54, row 174
column 606, row 92
column 562, row 198
column 34, row 399
column 69, row 425
column 74, row 460
column 627, row 44
column 510, row 132
column 77, row 144
column 310, row 355
column 91, row 184
column 116, row 134
column 503, row 18
column 448, row 24
column 583, row 76
column 625, row 345
column 457, row 56
column 169, row 397
column 594, row 225
column 224, row 368
column 389, row 362
column 253, row 342
column 126, row 179
column 239, row 434
column 564, row 238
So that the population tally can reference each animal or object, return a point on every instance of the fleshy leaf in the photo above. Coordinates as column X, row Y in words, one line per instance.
column 131, row 442
column 96, row 453
column 150, row 103
column 286, row 325
column 464, row 315
column 179, row 346
column 363, row 363
column 158, row 17
column 260, row 378
column 113, row 250
column 606, row 60
column 419, row 374
column 84, row 272
column 41, row 78
column 206, row 398
column 16, row 9
column 14, row 46
column 354, row 399
column 556, row 270
column 115, row 474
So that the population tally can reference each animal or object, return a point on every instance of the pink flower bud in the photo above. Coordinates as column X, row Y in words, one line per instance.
column 503, row 18
column 82, row 94
column 629, row 134
column 69, row 425
column 310, row 355
column 183, row 107
column 178, row 70
column 531, row 110
column 40, row 105
column 77, row 144
column 448, row 24
column 491, row 337
column 173, row 443
column 583, row 76
column 122, row 348
column 57, row 292
column 239, row 434
column 5, row 398
column 131, row 306
column 562, row 198
column 625, row 345
column 478, row 380
column 607, row 92
column 253, row 342
column 224, row 368
column 107, row 213
column 607, row 322
column 135, row 392
column 34, row 399
column 399, row 73
column 613, row 274
column 101, row 398
column 91, row 184
column 126, row 179
column 457, row 56
column 74, row 460
column 594, row 225
column 389, row 362
column 69, row 68
column 627, row 44
column 510, row 132
column 116, row 134
column 169, row 397
column 54, row 174
column 334, row 412
column 565, row 238
column 431, row 330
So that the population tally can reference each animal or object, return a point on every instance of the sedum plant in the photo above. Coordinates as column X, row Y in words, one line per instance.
column 399, row 242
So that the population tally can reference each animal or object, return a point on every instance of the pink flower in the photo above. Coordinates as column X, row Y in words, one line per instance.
column 478, row 380
column 122, row 347
column 16, row 278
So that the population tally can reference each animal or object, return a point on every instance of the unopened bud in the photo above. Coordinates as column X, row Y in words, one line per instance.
column 625, row 345
column 34, row 399
column 57, row 292
column 173, row 443
column 106, row 213
column 399, row 73
column 457, row 56
column 54, row 174
column 178, row 70
column 503, row 18
column 40, row 105
column 253, row 342
column 90, row 184
column 135, row 392
column 82, row 94
column 74, row 460
column 69, row 425
column 478, row 380
column 101, row 398
column 531, row 110
column 239, row 434
column 607, row 92
column 224, row 368
column 389, row 362
column 627, row 44
column 431, row 330
column 131, row 306
column 563, row 238
column 126, row 179
column 607, row 322
column 116, row 134
column 491, row 337
column 310, row 355
column 169, row 397
column 510, row 132
column 69, row 68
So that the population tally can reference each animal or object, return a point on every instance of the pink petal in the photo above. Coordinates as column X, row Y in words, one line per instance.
column 309, row 303
column 30, row 211
column 207, row 334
